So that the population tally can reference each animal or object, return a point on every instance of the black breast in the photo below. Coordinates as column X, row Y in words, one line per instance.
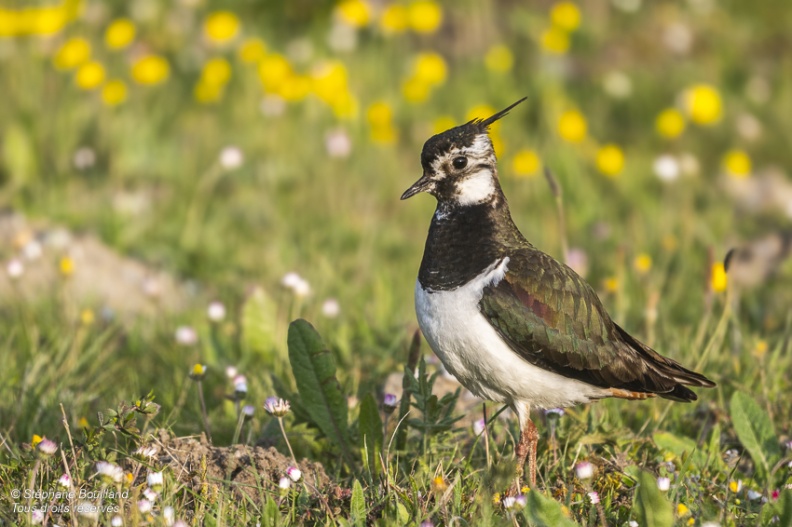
column 464, row 241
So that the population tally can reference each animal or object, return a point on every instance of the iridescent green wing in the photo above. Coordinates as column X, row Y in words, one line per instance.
column 554, row 320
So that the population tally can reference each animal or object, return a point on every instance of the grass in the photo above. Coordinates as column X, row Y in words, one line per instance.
column 231, row 234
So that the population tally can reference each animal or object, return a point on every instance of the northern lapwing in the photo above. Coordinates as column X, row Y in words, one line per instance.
column 511, row 323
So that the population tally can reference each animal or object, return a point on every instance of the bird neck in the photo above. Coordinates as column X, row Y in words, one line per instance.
column 464, row 240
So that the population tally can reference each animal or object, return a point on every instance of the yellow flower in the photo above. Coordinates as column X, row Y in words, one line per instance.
column 206, row 92
column 670, row 123
column 252, row 50
column 425, row 16
column 345, row 106
column 355, row 13
column 439, row 483
column 120, row 34
column 415, row 90
column 499, row 58
column 394, row 19
column 682, row 509
column 87, row 317
column 611, row 284
column 221, row 27
column 703, row 104
column 526, row 163
column 443, row 123
column 737, row 164
column 295, row 88
column 735, row 486
column 610, row 160
column 273, row 70
column 82, row 422
column 430, row 68
column 642, row 263
column 66, row 266
column 496, row 498
column 329, row 80
column 36, row 440
column 44, row 21
column 114, row 92
column 565, row 15
column 379, row 114
column 150, row 70
column 691, row 521
column 380, row 117
column 72, row 53
column 760, row 349
column 555, row 41
column 90, row 76
column 572, row 126
column 216, row 71
column 384, row 134
column 718, row 279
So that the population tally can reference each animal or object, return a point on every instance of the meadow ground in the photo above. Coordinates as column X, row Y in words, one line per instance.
column 180, row 182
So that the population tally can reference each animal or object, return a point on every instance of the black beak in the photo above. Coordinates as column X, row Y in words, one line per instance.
column 419, row 186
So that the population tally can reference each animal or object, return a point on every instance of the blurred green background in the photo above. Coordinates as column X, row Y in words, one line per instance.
column 156, row 156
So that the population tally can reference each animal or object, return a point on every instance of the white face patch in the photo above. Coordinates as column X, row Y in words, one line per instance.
column 481, row 147
column 476, row 188
column 472, row 184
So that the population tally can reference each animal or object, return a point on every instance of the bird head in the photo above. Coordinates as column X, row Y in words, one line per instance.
column 459, row 165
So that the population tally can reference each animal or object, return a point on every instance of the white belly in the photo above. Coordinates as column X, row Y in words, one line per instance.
column 474, row 353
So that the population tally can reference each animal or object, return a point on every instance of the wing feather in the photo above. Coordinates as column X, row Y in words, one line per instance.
column 553, row 319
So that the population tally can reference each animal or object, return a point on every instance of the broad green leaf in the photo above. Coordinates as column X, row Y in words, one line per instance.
column 681, row 446
column 259, row 318
column 755, row 431
column 541, row 511
column 784, row 508
column 357, row 506
column 402, row 514
column 271, row 516
column 371, row 437
column 651, row 508
column 314, row 371
column 714, row 448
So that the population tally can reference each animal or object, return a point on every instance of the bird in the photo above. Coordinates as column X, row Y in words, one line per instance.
column 510, row 322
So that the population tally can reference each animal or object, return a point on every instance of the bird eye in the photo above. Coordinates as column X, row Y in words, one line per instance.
column 459, row 162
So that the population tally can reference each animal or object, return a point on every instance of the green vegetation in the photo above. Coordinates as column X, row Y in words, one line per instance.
column 159, row 157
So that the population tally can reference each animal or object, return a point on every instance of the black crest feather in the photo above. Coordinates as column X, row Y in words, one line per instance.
column 460, row 136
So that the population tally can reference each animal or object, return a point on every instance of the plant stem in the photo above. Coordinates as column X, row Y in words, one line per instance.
column 204, row 416
column 486, row 435
column 240, row 423
column 283, row 431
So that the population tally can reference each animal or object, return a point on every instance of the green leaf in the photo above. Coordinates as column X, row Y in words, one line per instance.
column 314, row 371
column 271, row 516
column 651, row 507
column 541, row 511
column 18, row 154
column 755, row 431
column 371, row 437
column 681, row 447
column 357, row 506
column 259, row 319
column 784, row 508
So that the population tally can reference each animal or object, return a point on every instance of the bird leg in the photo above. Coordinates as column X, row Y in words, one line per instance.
column 529, row 439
